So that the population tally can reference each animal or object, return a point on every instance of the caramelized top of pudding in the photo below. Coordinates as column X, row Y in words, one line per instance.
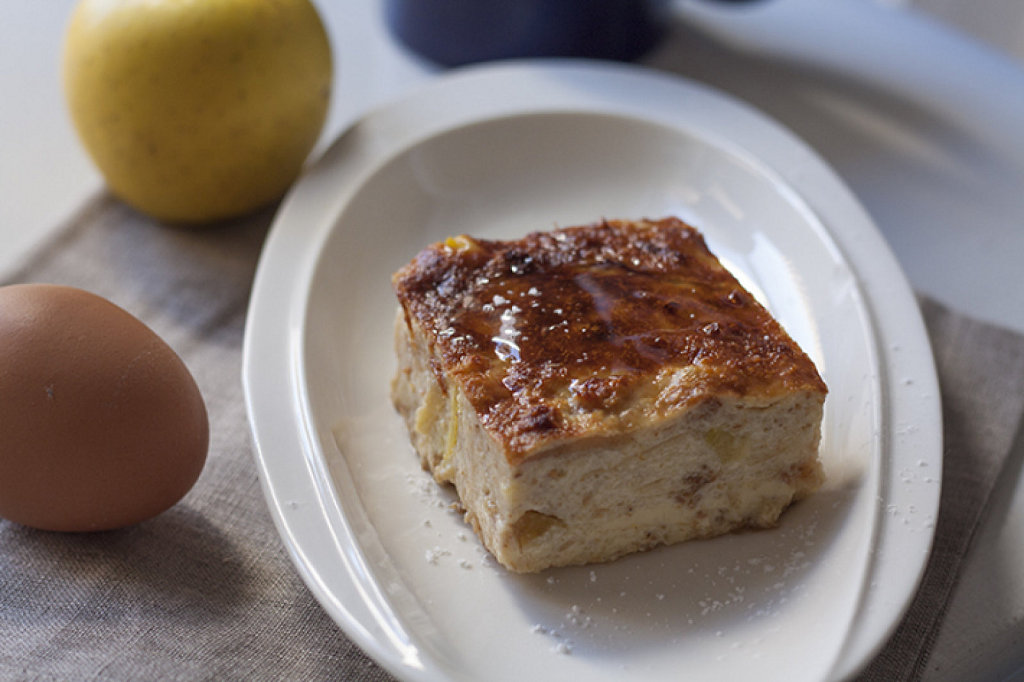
column 593, row 329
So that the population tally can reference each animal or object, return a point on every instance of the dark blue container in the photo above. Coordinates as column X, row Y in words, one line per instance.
column 455, row 32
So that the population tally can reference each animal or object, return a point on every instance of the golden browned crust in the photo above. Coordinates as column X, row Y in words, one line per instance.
column 598, row 329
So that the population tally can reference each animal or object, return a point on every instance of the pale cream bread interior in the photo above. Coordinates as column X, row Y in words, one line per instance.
column 722, row 464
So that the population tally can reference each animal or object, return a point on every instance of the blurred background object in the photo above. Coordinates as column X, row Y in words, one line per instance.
column 456, row 32
column 45, row 175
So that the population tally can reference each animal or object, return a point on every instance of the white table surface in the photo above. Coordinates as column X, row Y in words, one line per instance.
column 877, row 69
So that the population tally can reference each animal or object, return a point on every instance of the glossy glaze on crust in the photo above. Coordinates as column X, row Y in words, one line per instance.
column 597, row 330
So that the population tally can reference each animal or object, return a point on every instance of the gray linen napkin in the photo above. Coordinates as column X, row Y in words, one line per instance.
column 981, row 376
column 206, row 590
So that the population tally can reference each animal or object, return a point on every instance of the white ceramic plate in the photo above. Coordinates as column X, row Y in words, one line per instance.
column 502, row 150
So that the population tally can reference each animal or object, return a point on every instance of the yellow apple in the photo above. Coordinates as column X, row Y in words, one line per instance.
column 197, row 110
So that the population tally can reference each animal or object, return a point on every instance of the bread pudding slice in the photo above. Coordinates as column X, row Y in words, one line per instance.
column 600, row 390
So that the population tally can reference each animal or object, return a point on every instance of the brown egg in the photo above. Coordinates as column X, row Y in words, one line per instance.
column 101, row 423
